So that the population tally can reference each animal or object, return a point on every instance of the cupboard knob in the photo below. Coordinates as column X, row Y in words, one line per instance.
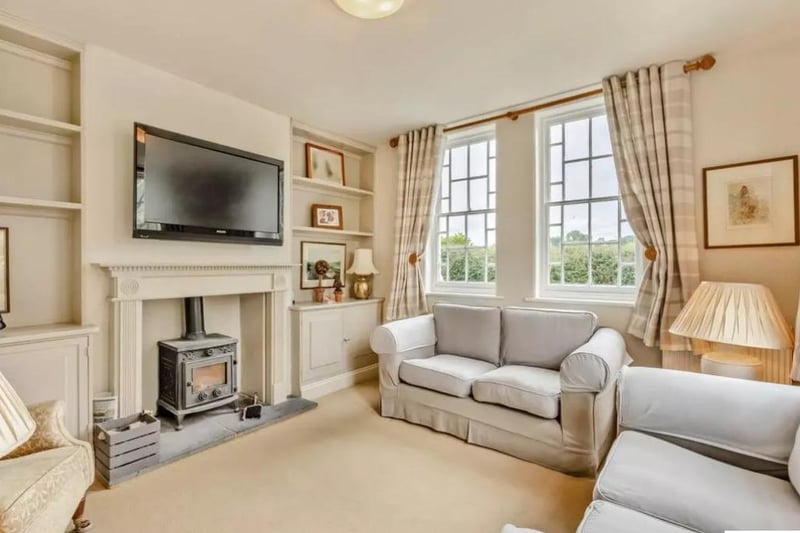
column 347, row 339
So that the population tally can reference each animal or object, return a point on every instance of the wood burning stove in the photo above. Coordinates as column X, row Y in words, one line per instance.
column 196, row 372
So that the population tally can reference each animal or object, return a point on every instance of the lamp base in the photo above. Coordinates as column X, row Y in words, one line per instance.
column 732, row 365
column 361, row 288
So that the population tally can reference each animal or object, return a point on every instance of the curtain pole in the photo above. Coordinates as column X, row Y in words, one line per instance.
column 704, row 63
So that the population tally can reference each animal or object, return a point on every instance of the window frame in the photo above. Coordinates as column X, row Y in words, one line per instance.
column 544, row 290
column 435, row 285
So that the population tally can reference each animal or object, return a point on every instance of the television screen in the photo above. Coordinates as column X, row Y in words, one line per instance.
column 187, row 188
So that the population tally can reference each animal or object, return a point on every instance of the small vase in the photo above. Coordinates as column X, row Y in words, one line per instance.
column 319, row 295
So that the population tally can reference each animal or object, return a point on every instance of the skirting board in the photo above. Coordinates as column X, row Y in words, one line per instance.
column 326, row 386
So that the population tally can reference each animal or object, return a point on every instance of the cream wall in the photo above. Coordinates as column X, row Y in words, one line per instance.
column 117, row 92
column 744, row 109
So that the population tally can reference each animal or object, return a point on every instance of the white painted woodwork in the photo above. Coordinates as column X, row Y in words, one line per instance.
column 331, row 343
column 265, row 336
column 328, row 188
column 45, row 363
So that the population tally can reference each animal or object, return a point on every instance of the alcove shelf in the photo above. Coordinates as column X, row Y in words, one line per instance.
column 38, row 124
column 332, row 189
column 37, row 203
column 332, row 232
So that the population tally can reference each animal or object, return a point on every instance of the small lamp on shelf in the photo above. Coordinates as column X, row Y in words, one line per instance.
column 737, row 314
column 362, row 268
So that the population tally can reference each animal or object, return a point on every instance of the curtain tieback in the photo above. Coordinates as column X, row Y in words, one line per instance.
column 650, row 253
column 414, row 258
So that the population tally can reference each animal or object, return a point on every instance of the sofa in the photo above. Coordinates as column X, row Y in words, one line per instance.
column 699, row 453
column 44, row 471
column 533, row 383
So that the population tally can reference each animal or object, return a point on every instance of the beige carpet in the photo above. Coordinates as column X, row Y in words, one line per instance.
column 342, row 468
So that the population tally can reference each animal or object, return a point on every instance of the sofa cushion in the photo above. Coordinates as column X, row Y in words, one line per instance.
column 449, row 374
column 534, row 390
column 468, row 331
column 794, row 463
column 671, row 483
column 543, row 337
column 16, row 423
column 605, row 517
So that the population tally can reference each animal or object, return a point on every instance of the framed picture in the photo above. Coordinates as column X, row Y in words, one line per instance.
column 324, row 164
column 751, row 204
column 326, row 216
column 312, row 253
column 5, row 283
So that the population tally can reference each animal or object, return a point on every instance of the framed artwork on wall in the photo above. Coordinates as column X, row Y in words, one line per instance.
column 5, row 279
column 324, row 164
column 326, row 216
column 751, row 204
column 321, row 261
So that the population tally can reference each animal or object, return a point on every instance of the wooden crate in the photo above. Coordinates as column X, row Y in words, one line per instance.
column 126, row 446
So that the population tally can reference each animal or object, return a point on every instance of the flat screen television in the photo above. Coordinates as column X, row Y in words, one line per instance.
column 190, row 189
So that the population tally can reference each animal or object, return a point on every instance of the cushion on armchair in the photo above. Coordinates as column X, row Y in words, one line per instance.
column 543, row 337
column 16, row 423
column 468, row 331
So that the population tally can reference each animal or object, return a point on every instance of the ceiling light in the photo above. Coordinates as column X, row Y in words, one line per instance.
column 370, row 9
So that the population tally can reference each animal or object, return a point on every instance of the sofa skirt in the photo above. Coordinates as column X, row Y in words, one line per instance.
column 528, row 437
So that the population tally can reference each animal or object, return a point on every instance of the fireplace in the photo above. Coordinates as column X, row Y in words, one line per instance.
column 196, row 372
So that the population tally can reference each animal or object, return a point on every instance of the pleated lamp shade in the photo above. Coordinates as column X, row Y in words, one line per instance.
column 741, row 314
column 362, row 263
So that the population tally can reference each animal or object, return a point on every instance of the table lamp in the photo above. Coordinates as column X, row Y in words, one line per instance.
column 739, row 314
column 362, row 267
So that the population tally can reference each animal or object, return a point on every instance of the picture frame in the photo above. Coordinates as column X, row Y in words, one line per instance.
column 324, row 163
column 311, row 252
column 751, row 204
column 5, row 277
column 327, row 216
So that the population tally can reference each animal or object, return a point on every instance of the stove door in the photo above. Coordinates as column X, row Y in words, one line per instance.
column 208, row 380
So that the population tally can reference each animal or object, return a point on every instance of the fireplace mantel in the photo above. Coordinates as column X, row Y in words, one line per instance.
column 265, row 290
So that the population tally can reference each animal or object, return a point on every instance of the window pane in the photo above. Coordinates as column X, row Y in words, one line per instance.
column 477, row 265
column 576, row 264
column 477, row 159
column 554, row 251
column 492, row 201
column 492, row 148
column 458, row 164
column 456, row 232
column 555, row 236
column 457, row 265
column 576, row 223
column 492, row 175
column 555, row 163
column 555, row 214
column 491, row 238
column 628, row 275
column 445, row 182
column 555, row 134
column 627, row 243
column 443, row 264
column 604, row 221
column 604, row 264
column 555, row 274
column 556, row 193
column 476, row 230
column 445, row 206
column 491, row 269
column 601, row 143
column 604, row 178
column 458, row 202
column 477, row 193
column 576, row 180
column 446, row 159
column 576, row 139
column 490, row 220
column 442, row 224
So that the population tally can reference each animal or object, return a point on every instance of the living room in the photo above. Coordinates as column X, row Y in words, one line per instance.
column 519, row 269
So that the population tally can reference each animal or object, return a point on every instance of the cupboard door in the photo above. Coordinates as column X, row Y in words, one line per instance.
column 324, row 338
column 359, row 321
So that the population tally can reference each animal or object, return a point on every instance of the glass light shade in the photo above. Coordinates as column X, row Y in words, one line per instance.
column 741, row 314
column 369, row 9
column 362, row 263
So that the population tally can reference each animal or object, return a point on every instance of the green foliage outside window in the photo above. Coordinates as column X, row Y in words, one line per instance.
column 461, row 261
column 605, row 261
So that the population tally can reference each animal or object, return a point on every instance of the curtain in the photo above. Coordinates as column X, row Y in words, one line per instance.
column 795, row 375
column 650, row 120
column 420, row 155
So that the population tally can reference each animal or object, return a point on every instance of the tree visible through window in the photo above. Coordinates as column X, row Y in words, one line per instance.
column 591, row 243
column 467, row 213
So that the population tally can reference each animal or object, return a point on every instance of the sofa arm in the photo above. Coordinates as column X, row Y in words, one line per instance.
column 410, row 338
column 702, row 412
column 594, row 365
column 51, row 432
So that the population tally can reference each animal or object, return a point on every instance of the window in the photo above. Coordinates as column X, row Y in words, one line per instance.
column 587, row 249
column 465, row 242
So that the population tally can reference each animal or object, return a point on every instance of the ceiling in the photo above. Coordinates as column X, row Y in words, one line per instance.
column 433, row 61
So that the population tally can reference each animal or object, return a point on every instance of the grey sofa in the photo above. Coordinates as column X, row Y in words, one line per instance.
column 536, row 384
column 699, row 453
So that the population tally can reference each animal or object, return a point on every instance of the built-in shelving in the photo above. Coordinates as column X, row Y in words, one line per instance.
column 34, row 123
column 39, row 204
column 332, row 189
column 325, row 231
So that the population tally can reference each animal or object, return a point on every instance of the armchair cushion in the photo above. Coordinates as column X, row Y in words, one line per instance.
column 543, row 337
column 50, row 430
column 595, row 364
column 448, row 374
column 468, row 331
column 16, row 423
column 534, row 390
column 794, row 463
